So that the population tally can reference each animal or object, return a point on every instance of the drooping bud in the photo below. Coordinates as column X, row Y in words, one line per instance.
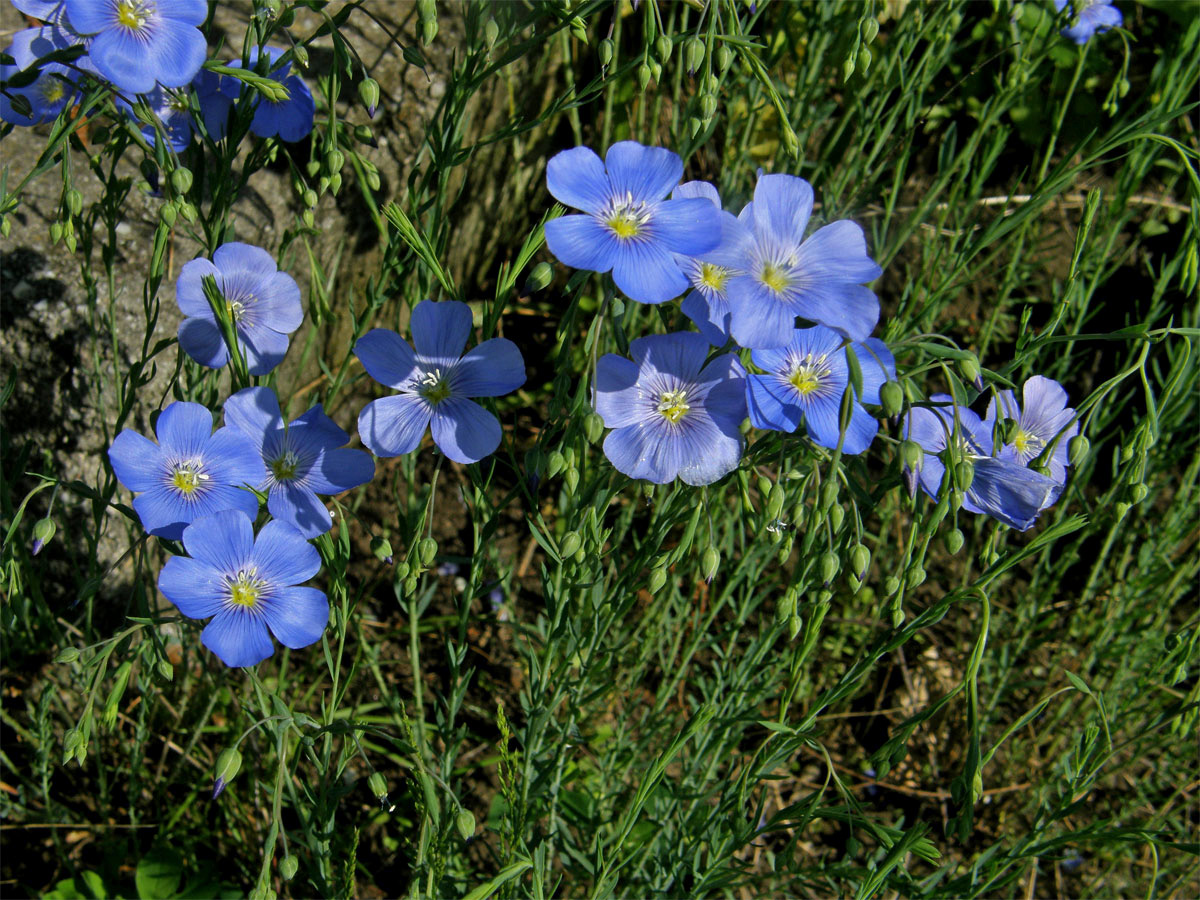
column 710, row 560
column 593, row 427
column 427, row 550
column 554, row 463
column 914, row 577
column 860, row 560
column 605, row 51
column 643, row 77
column 288, row 866
column 571, row 480
column 964, row 474
column 464, row 822
column 542, row 275
column 368, row 95
column 969, row 366
column 891, row 397
column 787, row 606
column 1077, row 449
column 870, row 30
column 43, row 533
column 829, row 493
column 658, row 577
column 695, row 55
column 954, row 541
column 228, row 764
column 829, row 566
column 662, row 48
column 1138, row 493
column 708, row 106
column 181, row 180
column 775, row 498
column 724, row 57
column 67, row 655
column 382, row 548
column 491, row 32
column 571, row 542
column 837, row 514
column 891, row 585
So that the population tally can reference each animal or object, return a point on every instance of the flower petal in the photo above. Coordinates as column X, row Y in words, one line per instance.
column 837, row 252
column 877, row 365
column 278, row 303
column 263, row 347
column 710, row 315
column 254, row 411
column 233, row 458
column 392, row 426
column 708, row 453
column 1010, row 492
column 196, row 589
column 615, row 395
column 387, row 357
column 646, row 272
column 184, row 428
column 464, row 430
column 850, row 309
column 680, row 353
column 700, row 189
column 283, row 557
column 297, row 506
column 645, row 173
column 490, row 369
column 440, row 330
column 163, row 512
column 136, row 460
column 772, row 405
column 756, row 318
column 222, row 541
column 202, row 340
column 640, row 451
column 576, row 178
column 782, row 207
column 175, row 53
column 189, row 290
column 340, row 470
column 120, row 58
column 686, row 226
column 234, row 257
column 582, row 242
column 297, row 616
column 238, row 637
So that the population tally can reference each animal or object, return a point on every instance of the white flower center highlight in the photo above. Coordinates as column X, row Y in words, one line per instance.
column 1027, row 443
column 188, row 477
column 625, row 218
column 673, row 405
column 433, row 387
column 808, row 375
column 712, row 278
column 246, row 588
column 236, row 309
column 133, row 14
column 284, row 466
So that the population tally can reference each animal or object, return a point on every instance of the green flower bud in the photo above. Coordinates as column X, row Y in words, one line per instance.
column 187, row 210
column 848, row 68
column 465, row 823
column 891, row 585
column 491, row 32
column 969, row 366
column 897, row 617
column 914, row 577
column 964, row 474
column 1120, row 508
column 580, row 556
column 288, row 866
column 836, row 516
column 795, row 623
column 335, row 182
column 228, row 765
column 570, row 543
column 1138, row 493
column 891, row 397
column 368, row 95
column 829, row 493
column 593, row 427
column 56, row 232
column 708, row 105
column 554, row 463
column 662, row 48
column 378, row 786
column 427, row 550
column 120, row 682
column 74, row 200
column 786, row 609
column 571, row 480
column 658, row 577
column 382, row 548
column 542, row 275
column 364, row 135
column 166, row 671
column 71, row 741
column 402, row 570
column 5, row 226
column 775, row 498
column 695, row 124
column 724, row 57
column 43, row 533
column 310, row 198
column 710, row 560
column 1077, row 449
column 410, row 584
column 869, row 30
column 429, row 31
column 67, row 655
column 954, row 541
column 181, row 180
column 334, row 160
column 300, row 55
column 167, row 214
column 605, row 51
column 864, row 60
column 695, row 55
column 860, row 560
column 643, row 76
column 829, row 566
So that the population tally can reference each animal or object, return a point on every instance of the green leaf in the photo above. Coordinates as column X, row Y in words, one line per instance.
column 158, row 874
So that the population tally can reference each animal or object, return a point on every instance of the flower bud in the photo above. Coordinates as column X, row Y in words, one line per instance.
column 1077, row 449
column 5, row 226
column 67, row 655
column 710, row 560
column 795, row 623
column 166, row 671
column 836, row 515
column 56, row 232
column 288, row 866
column 368, row 95
column 491, row 32
column 860, row 560
column 787, row 607
column 429, row 30
column 662, row 48
column 71, row 742
column 914, row 577
column 695, row 55
column 167, row 214
column 724, row 57
column 554, row 463
column 891, row 585
column 571, row 480
column 335, row 182
column 829, row 566
column 658, row 577
column 378, row 786
column 848, row 68
column 120, row 682
column 427, row 550
column 74, row 201
column 775, row 498
column 891, row 397
column 334, row 160
column 464, row 822
column 570, row 543
column 542, row 275
column 402, row 570
column 228, row 764
column 912, row 454
column 829, row 493
column 870, row 30
column 593, row 427
column 43, row 532
column 410, row 584
column 954, row 541
column 1138, row 493
column 969, row 366
column 964, row 474
column 364, row 135
column 864, row 60
column 643, row 77
column 181, row 180
column 708, row 105
column 605, row 51
column 382, row 548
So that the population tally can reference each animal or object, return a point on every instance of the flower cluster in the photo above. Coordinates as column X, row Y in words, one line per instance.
column 751, row 276
column 1089, row 17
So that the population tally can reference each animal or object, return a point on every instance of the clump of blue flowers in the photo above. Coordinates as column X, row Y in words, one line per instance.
column 290, row 119
column 251, row 587
column 435, row 384
column 55, row 85
column 1089, row 17
column 191, row 472
column 263, row 302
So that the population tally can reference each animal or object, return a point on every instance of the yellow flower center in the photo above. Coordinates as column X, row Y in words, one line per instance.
column 625, row 218
column 246, row 589
column 623, row 225
column 713, row 277
column 775, row 277
column 673, row 405
column 54, row 90
column 187, row 477
column 807, row 375
column 132, row 14
column 236, row 309
column 1028, row 443
column 433, row 387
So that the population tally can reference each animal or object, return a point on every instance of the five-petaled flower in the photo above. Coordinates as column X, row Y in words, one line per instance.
column 1043, row 417
column 171, row 108
column 263, row 302
column 628, row 226
column 672, row 415
column 55, row 84
column 289, row 119
column 135, row 43
column 1001, row 488
column 820, row 278
column 304, row 458
column 191, row 472
column 805, row 381
column 1088, row 18
column 435, row 384
column 249, row 586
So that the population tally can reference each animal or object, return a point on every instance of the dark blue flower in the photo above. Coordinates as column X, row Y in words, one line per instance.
column 289, row 120
column 629, row 227
column 707, row 304
column 435, row 383
column 1089, row 17
column 214, row 104
column 171, row 108
column 819, row 278
column 1043, row 416
column 304, row 458
column 192, row 471
column 135, row 43
column 264, row 304
column 55, row 85
column 672, row 415
column 249, row 586
column 805, row 381
column 1000, row 488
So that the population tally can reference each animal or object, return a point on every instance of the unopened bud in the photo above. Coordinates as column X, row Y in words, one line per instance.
column 427, row 550
column 364, row 135
column 382, row 548
column 912, row 454
column 656, row 70
column 1077, row 449
column 643, row 77
column 334, row 160
column 181, row 180
column 710, row 560
column 954, row 541
column 870, row 30
column 658, row 577
column 43, row 532
column 74, row 201
column 542, row 275
column 836, row 516
column 167, row 214
column 571, row 480
column 964, row 474
column 829, row 566
column 429, row 31
column 605, row 51
column 378, row 786
column 570, row 543
column 465, row 823
column 1120, row 508
column 848, row 68
column 860, row 560
column 491, row 32
column 891, row 585
column 1138, row 493
column 708, row 105
column 914, row 577
column 695, row 55
column 969, row 366
column 891, row 397
column 787, row 607
column 368, row 95
column 662, row 48
column 593, row 427
column 300, row 55
column 775, row 500
column 288, row 866
column 56, row 232
column 795, row 623
column 554, row 463
column 67, row 655
column 724, row 57
column 228, row 764
column 829, row 493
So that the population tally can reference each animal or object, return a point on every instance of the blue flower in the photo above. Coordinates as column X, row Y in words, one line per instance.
column 1000, row 488
column 248, row 585
column 435, row 383
column 135, row 43
column 707, row 304
column 628, row 227
column 264, row 304
column 192, row 471
column 806, row 380
column 819, row 278
column 672, row 415
column 214, row 104
column 303, row 458
column 1090, row 17
column 173, row 112
column 55, row 85
column 289, row 120
column 46, row 10
column 1042, row 417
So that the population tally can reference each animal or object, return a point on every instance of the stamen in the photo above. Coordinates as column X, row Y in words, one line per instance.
column 133, row 14
column 673, row 405
column 188, row 477
column 625, row 218
column 713, row 278
column 246, row 588
column 808, row 375
column 284, row 466
column 433, row 387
